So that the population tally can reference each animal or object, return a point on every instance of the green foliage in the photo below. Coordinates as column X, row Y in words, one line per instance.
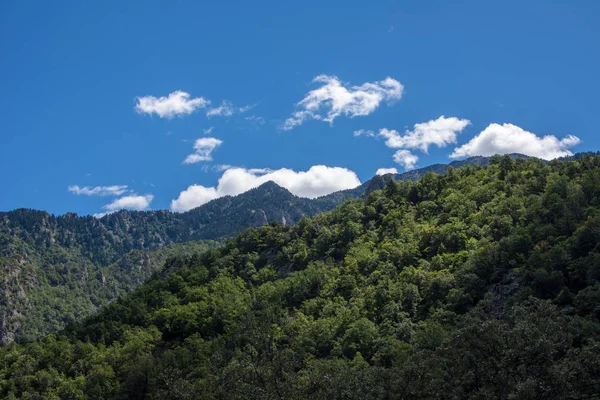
column 45, row 289
column 479, row 283
column 58, row 270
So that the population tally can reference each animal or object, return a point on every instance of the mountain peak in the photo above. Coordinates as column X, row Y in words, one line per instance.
column 271, row 187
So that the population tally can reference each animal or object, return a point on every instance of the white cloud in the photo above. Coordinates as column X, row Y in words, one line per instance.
column 334, row 99
column 115, row 190
column 383, row 171
column 364, row 132
column 226, row 109
column 222, row 167
column 319, row 180
column 203, row 147
column 406, row 159
column 131, row 202
column 509, row 138
column 255, row 119
column 248, row 107
column 176, row 103
column 208, row 131
column 194, row 196
column 439, row 132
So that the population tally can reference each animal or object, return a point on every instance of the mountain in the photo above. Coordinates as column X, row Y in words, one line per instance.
column 56, row 270
column 44, row 288
column 230, row 215
column 478, row 283
column 53, row 269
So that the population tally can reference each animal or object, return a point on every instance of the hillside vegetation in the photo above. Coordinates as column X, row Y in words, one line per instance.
column 45, row 288
column 479, row 283
column 56, row 270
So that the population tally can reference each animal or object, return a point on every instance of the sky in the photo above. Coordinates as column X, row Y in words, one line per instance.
column 169, row 104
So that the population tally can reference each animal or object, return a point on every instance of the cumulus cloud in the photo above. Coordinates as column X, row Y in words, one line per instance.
column 319, row 180
column 176, row 103
column 384, row 171
column 333, row 99
column 131, row 202
column 203, row 148
column 509, row 138
column 115, row 190
column 439, row 132
column 208, row 131
column 364, row 132
column 192, row 197
column 406, row 159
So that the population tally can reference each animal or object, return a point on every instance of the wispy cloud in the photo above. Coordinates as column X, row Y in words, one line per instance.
column 333, row 99
column 203, row 150
column 247, row 107
column 255, row 119
column 115, row 190
column 364, row 132
column 223, row 167
column 227, row 109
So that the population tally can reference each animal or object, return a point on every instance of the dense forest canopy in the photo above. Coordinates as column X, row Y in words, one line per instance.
column 482, row 282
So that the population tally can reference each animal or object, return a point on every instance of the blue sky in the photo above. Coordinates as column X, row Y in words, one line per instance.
column 82, row 84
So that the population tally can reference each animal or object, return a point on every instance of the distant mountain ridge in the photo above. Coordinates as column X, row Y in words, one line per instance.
column 226, row 216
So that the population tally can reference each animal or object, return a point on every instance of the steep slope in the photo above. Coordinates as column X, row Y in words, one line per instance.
column 55, row 270
column 479, row 283
column 44, row 289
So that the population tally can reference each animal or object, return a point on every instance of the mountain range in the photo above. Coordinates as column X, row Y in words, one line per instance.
column 482, row 282
column 59, row 269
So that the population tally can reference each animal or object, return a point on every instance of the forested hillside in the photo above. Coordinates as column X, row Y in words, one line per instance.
column 53, row 270
column 482, row 282
column 43, row 289
column 56, row 270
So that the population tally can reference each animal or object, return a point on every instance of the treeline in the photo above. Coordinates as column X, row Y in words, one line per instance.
column 479, row 283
